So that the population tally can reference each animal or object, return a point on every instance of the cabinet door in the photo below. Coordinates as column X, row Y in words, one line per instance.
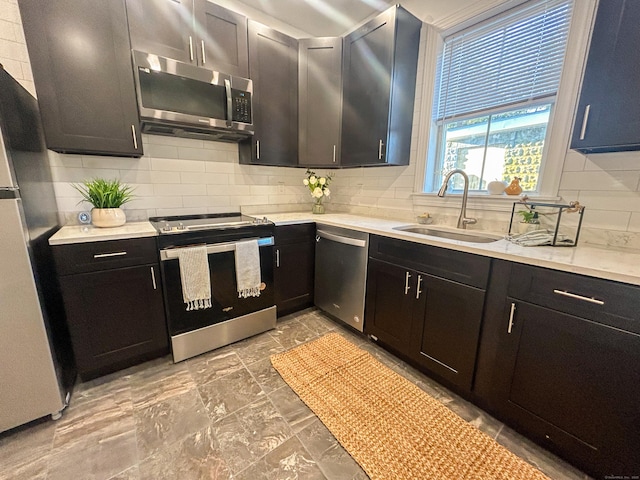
column 116, row 318
column 320, row 81
column 273, row 67
column 390, row 303
column 574, row 384
column 447, row 328
column 221, row 39
column 81, row 62
column 293, row 276
column 163, row 27
column 608, row 115
column 368, row 53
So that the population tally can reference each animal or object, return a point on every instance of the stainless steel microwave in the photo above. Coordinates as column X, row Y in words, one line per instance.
column 183, row 100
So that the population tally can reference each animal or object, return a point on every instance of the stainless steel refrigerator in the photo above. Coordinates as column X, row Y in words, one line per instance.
column 36, row 360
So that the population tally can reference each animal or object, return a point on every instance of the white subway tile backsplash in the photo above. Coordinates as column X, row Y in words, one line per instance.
column 616, row 201
column 613, row 161
column 634, row 222
column 156, row 202
column 204, row 178
column 160, row 151
column 171, row 189
column 7, row 31
column 607, row 219
column 176, row 165
column 188, row 153
column 600, row 180
column 96, row 161
column 574, row 161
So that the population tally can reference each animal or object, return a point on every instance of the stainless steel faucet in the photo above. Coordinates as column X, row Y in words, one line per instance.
column 463, row 221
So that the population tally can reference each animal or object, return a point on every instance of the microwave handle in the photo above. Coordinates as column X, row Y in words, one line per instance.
column 227, row 87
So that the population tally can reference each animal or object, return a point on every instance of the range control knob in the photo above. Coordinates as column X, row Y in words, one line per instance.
column 167, row 227
column 181, row 226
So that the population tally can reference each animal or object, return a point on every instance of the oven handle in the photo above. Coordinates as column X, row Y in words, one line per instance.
column 172, row 253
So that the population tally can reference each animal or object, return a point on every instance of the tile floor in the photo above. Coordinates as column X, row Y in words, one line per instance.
column 223, row 415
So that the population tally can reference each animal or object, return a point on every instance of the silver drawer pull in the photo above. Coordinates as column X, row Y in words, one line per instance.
column 585, row 119
column 114, row 254
column 153, row 279
column 564, row 293
column 418, row 291
column 513, row 310
column 407, row 276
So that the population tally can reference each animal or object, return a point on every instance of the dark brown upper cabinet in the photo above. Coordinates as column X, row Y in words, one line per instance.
column 320, row 94
column 608, row 114
column 81, row 62
column 273, row 62
column 379, row 75
column 191, row 31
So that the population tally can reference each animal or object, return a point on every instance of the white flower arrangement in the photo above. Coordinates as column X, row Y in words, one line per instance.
column 318, row 186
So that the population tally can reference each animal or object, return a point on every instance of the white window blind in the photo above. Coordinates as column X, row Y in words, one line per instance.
column 509, row 59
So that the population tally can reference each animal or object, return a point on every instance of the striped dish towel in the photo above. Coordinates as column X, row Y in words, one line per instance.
column 248, row 269
column 194, row 274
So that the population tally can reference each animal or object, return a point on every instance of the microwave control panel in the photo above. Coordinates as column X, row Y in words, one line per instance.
column 241, row 104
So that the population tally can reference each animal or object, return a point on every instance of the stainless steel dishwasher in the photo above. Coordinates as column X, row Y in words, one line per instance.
column 341, row 273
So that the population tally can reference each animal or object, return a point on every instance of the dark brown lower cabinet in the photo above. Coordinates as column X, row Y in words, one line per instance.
column 114, row 308
column 447, row 328
column 565, row 373
column 294, row 267
column 432, row 321
column 389, row 308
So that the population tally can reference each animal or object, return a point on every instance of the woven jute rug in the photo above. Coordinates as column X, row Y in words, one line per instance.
column 394, row 430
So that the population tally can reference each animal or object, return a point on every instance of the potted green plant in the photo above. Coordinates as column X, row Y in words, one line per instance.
column 529, row 221
column 106, row 196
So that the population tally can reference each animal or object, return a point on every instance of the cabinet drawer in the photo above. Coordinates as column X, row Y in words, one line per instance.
column 287, row 234
column 460, row 267
column 94, row 256
column 603, row 301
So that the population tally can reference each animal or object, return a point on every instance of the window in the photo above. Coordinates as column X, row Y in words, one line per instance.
column 496, row 89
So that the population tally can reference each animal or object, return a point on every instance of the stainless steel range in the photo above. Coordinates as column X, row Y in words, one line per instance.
column 230, row 317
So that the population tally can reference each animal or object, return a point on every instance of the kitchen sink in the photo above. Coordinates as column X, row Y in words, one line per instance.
column 463, row 236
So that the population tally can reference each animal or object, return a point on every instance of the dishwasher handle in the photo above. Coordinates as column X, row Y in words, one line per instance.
column 340, row 239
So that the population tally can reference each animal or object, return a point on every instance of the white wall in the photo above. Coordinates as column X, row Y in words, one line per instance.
column 192, row 176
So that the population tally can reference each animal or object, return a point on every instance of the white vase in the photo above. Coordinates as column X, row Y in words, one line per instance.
column 108, row 217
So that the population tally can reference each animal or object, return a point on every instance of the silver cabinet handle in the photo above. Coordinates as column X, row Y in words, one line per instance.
column 355, row 242
column 564, row 293
column 227, row 89
column 190, row 48
column 153, row 279
column 511, row 313
column 418, row 291
column 257, row 149
column 114, row 254
column 135, row 139
column 204, row 59
column 379, row 149
column 334, row 154
column 407, row 276
column 278, row 258
column 585, row 119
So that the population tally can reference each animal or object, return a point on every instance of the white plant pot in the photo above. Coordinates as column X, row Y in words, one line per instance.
column 524, row 227
column 108, row 217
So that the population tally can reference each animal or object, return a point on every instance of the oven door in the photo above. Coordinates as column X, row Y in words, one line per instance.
column 225, row 302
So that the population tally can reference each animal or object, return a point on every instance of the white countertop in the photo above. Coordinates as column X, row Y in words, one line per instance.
column 598, row 262
column 622, row 266
column 89, row 233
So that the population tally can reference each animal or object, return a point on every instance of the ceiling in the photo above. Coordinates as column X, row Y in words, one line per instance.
column 335, row 17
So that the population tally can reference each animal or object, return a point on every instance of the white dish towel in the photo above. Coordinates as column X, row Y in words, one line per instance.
column 248, row 269
column 194, row 274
